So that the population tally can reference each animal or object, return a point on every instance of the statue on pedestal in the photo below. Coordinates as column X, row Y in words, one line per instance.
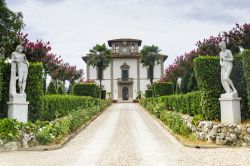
column 19, row 65
column 226, row 62
column 229, row 101
column 17, row 105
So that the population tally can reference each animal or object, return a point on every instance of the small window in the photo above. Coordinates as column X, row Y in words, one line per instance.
column 124, row 74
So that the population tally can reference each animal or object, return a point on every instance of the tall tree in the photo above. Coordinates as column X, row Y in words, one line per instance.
column 149, row 58
column 10, row 26
column 99, row 58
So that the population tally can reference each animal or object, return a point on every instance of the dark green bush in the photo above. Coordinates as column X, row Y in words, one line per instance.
column 1, row 81
column 52, row 88
column 163, row 88
column 240, row 84
column 34, row 89
column 60, row 89
column 246, row 67
column 207, row 71
column 103, row 94
column 148, row 93
column 85, row 89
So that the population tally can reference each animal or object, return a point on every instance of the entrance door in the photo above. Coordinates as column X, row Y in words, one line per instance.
column 125, row 93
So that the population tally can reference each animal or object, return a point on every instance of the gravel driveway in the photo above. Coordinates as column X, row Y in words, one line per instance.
column 126, row 135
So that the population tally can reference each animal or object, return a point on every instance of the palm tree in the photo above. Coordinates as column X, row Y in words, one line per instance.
column 99, row 57
column 149, row 57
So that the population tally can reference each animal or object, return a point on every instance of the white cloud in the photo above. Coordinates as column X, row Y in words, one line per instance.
column 75, row 26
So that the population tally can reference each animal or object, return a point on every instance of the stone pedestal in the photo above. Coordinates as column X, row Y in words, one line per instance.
column 18, row 108
column 230, row 109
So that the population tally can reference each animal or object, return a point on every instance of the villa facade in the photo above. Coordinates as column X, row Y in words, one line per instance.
column 125, row 76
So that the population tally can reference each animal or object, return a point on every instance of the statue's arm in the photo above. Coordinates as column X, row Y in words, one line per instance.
column 229, row 56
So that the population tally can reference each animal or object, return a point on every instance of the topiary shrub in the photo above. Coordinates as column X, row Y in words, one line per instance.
column 60, row 89
column 34, row 89
column 103, row 94
column 51, row 88
column 1, row 81
column 246, row 67
column 163, row 88
column 207, row 71
column 240, row 84
column 85, row 89
column 148, row 93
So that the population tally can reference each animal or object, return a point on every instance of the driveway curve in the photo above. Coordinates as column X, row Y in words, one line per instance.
column 126, row 135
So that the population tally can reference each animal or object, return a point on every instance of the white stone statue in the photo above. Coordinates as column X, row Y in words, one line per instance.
column 178, row 84
column 226, row 62
column 19, row 64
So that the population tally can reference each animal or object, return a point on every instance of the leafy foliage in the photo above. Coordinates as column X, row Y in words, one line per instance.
column 99, row 57
column 246, row 67
column 185, row 103
column 9, row 130
column 11, row 25
column 175, row 122
column 56, row 106
column 85, row 89
column 207, row 70
column 163, row 88
column 51, row 88
column 34, row 89
column 148, row 93
column 149, row 57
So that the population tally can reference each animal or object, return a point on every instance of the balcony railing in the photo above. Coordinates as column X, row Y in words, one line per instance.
column 125, row 80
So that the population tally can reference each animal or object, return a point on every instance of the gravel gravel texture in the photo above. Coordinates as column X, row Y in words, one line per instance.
column 125, row 135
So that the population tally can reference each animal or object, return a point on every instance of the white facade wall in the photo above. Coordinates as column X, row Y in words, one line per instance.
column 132, row 63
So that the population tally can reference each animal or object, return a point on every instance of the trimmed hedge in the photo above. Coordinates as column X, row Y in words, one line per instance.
column 186, row 103
column 240, row 84
column 34, row 89
column 163, row 88
column 246, row 67
column 1, row 80
column 207, row 70
column 148, row 93
column 85, row 89
column 56, row 106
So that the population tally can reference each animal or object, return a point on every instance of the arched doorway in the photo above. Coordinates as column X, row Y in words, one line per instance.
column 125, row 93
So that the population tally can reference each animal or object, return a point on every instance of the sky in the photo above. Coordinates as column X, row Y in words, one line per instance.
column 75, row 26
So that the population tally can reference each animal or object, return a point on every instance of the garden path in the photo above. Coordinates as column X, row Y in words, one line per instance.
column 126, row 135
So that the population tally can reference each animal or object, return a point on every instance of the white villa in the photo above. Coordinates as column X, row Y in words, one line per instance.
column 125, row 76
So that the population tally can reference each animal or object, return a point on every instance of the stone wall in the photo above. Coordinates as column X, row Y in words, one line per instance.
column 221, row 134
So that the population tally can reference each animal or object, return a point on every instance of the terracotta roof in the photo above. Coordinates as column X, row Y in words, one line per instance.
column 124, row 39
